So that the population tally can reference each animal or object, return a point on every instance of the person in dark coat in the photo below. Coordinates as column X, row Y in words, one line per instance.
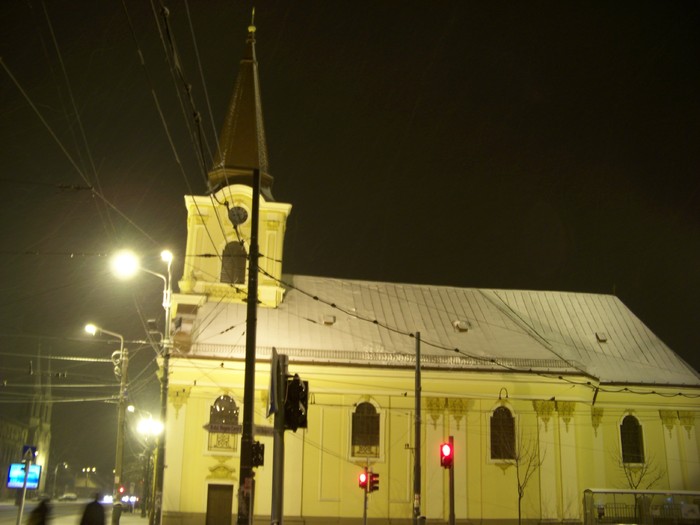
column 40, row 515
column 94, row 513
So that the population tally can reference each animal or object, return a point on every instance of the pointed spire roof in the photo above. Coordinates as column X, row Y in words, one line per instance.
column 242, row 144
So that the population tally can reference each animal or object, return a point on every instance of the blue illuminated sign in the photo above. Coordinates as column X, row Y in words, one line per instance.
column 15, row 476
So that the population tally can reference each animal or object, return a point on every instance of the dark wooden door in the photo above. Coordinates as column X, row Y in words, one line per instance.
column 219, row 504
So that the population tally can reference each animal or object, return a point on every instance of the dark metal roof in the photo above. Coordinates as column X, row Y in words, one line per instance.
column 242, row 144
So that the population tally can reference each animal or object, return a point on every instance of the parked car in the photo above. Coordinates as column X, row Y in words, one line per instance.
column 68, row 496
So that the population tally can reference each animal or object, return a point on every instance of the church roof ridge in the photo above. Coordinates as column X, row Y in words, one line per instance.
column 343, row 320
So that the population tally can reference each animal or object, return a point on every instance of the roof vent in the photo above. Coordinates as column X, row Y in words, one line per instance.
column 329, row 320
column 602, row 337
column 461, row 326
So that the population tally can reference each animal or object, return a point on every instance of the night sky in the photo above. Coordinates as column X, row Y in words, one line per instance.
column 527, row 145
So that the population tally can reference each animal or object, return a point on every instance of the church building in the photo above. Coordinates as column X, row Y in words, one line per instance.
column 559, row 405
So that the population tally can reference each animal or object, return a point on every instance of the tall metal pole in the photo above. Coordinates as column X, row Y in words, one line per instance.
column 417, row 452
column 245, row 488
column 452, row 484
column 28, row 459
column 157, row 495
column 364, row 507
column 277, row 511
column 121, row 427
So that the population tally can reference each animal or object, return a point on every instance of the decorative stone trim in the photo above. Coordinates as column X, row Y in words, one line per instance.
column 544, row 410
column 669, row 418
column 376, row 355
column 436, row 408
column 596, row 418
column 179, row 397
column 566, row 411
column 687, row 420
column 455, row 406
column 222, row 471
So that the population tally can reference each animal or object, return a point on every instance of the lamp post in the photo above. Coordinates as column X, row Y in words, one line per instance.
column 86, row 471
column 121, row 365
column 55, row 477
column 125, row 264
column 150, row 429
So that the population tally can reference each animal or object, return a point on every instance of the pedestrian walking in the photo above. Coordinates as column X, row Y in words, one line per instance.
column 40, row 515
column 94, row 513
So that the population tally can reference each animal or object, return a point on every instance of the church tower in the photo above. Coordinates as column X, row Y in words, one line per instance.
column 219, row 223
column 39, row 416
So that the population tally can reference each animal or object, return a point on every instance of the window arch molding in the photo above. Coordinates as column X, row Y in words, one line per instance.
column 631, row 439
column 222, row 428
column 366, row 429
column 502, row 433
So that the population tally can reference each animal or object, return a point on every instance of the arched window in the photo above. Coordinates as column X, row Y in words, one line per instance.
column 224, row 411
column 233, row 262
column 223, row 424
column 502, row 434
column 365, row 431
column 631, row 440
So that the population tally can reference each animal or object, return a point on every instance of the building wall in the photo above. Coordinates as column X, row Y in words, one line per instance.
column 13, row 436
column 576, row 444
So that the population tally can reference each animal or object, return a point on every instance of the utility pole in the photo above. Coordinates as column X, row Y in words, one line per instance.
column 246, row 474
column 160, row 443
column 279, row 374
column 417, row 452
column 452, row 484
column 28, row 460
column 121, row 428
column 364, row 507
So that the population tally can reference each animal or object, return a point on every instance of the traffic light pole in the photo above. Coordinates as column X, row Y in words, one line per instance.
column 417, row 452
column 246, row 474
column 364, row 507
column 452, row 485
column 277, row 510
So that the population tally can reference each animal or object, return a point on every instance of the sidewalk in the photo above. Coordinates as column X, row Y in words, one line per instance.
column 126, row 519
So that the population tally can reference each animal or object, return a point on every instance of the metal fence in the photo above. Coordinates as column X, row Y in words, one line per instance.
column 641, row 507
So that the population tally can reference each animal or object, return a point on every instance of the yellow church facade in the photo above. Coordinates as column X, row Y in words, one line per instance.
column 579, row 444
column 546, row 395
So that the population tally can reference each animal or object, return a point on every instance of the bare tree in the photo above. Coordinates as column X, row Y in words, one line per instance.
column 523, row 453
column 527, row 460
column 641, row 476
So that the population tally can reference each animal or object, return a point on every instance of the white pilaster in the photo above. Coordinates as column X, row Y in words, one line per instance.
column 548, row 454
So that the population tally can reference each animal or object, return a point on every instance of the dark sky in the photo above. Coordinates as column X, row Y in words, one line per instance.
column 528, row 145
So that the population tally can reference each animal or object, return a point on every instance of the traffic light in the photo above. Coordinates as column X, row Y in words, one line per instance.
column 373, row 482
column 258, row 452
column 362, row 480
column 296, row 403
column 447, row 455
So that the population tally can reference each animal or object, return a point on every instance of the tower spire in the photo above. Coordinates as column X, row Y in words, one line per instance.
column 242, row 144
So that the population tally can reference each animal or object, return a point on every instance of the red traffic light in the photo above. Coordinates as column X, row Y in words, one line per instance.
column 446, row 455
column 362, row 480
column 121, row 489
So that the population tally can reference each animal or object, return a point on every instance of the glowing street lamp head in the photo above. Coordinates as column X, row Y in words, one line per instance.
column 166, row 256
column 125, row 264
column 149, row 427
column 91, row 329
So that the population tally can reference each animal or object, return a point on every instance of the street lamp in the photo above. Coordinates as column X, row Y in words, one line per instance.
column 86, row 471
column 55, row 476
column 125, row 264
column 121, row 364
column 150, row 429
